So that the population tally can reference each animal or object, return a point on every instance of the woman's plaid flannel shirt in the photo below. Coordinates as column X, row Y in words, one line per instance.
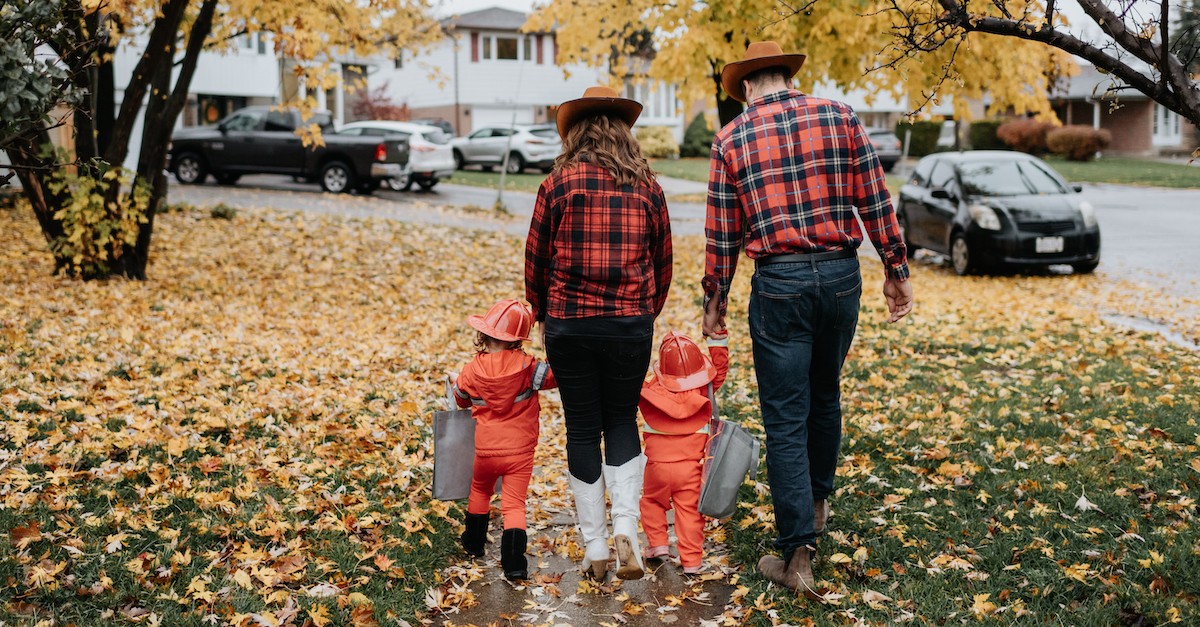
column 595, row 249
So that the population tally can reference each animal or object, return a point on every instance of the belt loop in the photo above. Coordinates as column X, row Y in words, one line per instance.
column 812, row 261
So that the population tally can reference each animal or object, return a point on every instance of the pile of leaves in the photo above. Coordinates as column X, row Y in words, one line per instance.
column 245, row 439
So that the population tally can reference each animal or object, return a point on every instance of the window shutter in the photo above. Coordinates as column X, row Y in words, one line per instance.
column 539, row 49
column 554, row 49
column 474, row 47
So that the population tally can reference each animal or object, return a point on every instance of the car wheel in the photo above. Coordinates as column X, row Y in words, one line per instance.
column 459, row 162
column 337, row 177
column 225, row 178
column 961, row 257
column 1085, row 267
column 401, row 183
column 515, row 164
column 190, row 169
column 902, row 219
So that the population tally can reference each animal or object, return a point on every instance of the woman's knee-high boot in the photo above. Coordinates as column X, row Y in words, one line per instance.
column 625, row 488
column 593, row 525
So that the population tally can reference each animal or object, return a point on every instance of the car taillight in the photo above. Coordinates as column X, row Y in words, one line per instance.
column 381, row 152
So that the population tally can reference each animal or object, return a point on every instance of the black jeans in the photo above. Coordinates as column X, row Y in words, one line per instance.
column 600, row 382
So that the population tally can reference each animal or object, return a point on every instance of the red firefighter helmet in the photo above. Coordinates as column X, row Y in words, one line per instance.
column 507, row 321
column 681, row 365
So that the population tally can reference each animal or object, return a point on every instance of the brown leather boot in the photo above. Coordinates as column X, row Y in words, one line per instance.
column 820, row 515
column 794, row 574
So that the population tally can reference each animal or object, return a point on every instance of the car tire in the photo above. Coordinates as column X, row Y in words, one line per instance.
column 427, row 184
column 225, row 178
column 401, row 183
column 337, row 177
column 961, row 256
column 190, row 169
column 902, row 219
column 516, row 164
column 459, row 162
column 1085, row 267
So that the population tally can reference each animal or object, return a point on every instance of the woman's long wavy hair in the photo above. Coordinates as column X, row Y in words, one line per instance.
column 607, row 142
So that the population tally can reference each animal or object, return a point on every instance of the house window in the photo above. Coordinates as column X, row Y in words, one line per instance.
column 506, row 47
column 658, row 99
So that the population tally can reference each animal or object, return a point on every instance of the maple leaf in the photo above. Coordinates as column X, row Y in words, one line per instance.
column 22, row 537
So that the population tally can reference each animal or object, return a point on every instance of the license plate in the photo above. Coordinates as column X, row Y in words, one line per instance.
column 1049, row 245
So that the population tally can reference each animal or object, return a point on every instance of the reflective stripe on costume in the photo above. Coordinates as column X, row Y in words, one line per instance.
column 536, row 382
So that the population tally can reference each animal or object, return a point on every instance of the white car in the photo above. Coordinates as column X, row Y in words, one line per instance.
column 430, row 159
column 527, row 146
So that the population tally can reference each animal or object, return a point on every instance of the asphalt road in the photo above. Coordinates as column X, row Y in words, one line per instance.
column 1149, row 234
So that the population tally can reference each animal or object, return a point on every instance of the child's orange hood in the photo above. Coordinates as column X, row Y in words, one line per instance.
column 499, row 377
column 678, row 405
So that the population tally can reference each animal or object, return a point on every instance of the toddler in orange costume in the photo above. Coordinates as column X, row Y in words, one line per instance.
column 677, row 409
column 501, row 385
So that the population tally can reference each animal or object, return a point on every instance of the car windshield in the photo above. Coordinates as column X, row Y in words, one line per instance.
column 1008, row 178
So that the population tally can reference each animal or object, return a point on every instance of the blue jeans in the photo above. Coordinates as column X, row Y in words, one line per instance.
column 802, row 321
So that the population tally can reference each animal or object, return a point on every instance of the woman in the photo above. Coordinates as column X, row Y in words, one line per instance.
column 597, row 270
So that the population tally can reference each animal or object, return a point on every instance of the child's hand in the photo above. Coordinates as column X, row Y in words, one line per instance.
column 452, row 377
column 722, row 335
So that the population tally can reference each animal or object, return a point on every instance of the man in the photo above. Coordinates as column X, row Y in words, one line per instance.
column 787, row 176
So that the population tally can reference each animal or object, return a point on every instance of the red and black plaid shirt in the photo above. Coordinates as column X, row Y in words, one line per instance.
column 786, row 177
column 596, row 249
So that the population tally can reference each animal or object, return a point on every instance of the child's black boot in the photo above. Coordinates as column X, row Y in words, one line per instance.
column 512, row 554
column 475, row 535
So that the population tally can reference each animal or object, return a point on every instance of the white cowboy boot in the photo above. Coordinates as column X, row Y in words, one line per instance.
column 625, row 488
column 593, row 525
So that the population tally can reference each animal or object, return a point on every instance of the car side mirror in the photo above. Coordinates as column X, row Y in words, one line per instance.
column 1077, row 187
column 223, row 128
column 942, row 193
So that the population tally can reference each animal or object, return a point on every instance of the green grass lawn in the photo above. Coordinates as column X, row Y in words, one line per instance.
column 693, row 169
column 1128, row 171
column 525, row 182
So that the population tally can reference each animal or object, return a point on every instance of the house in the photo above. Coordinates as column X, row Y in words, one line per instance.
column 1139, row 126
column 487, row 72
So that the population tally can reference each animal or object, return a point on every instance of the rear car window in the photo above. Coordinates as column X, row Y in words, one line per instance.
column 436, row 137
column 547, row 133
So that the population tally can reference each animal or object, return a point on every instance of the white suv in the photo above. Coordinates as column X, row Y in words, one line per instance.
column 527, row 146
column 430, row 156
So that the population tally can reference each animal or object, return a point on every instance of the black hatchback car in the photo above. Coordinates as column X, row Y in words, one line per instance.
column 988, row 209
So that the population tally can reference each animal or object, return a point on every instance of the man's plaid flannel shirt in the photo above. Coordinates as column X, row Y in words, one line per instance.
column 786, row 177
column 595, row 249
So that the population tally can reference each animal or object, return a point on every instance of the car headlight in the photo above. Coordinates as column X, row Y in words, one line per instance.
column 985, row 217
column 1089, row 214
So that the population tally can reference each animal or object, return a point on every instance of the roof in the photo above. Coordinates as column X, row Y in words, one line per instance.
column 1092, row 84
column 495, row 18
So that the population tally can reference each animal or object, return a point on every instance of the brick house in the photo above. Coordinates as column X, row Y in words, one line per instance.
column 1139, row 126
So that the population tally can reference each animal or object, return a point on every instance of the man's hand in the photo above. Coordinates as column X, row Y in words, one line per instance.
column 714, row 321
column 899, row 297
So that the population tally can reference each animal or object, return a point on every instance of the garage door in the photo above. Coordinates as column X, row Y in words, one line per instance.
column 497, row 116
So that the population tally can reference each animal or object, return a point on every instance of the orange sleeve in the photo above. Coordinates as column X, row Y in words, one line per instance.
column 720, row 359
column 550, row 382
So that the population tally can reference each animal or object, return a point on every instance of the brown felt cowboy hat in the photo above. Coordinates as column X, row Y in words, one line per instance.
column 759, row 55
column 596, row 100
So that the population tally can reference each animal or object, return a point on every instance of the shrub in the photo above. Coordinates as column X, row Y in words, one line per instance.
column 223, row 211
column 657, row 142
column 982, row 135
column 1026, row 134
column 924, row 137
column 1077, row 142
column 697, row 139
column 104, row 212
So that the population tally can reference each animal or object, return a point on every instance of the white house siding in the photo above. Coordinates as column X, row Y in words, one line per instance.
column 488, row 90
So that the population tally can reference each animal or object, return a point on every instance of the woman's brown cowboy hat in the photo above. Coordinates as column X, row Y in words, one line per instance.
column 759, row 55
column 596, row 100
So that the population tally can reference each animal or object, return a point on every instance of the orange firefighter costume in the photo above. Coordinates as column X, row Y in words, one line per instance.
column 676, row 408
column 501, row 388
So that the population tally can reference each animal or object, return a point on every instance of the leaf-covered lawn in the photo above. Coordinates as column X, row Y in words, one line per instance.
column 245, row 439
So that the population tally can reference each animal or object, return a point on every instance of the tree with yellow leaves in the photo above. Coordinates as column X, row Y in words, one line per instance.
column 99, row 221
column 851, row 44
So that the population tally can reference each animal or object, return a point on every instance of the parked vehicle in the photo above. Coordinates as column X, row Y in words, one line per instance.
column 446, row 127
column 887, row 146
column 262, row 140
column 988, row 209
column 430, row 157
column 527, row 146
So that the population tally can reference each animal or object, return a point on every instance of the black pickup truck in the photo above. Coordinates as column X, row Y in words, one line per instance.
column 263, row 140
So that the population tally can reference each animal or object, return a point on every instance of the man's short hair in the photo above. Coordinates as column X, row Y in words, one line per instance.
column 776, row 73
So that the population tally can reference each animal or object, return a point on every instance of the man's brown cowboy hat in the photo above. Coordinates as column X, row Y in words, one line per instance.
column 759, row 55
column 596, row 100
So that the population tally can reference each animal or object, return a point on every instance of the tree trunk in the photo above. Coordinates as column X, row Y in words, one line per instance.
column 727, row 108
column 33, row 169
